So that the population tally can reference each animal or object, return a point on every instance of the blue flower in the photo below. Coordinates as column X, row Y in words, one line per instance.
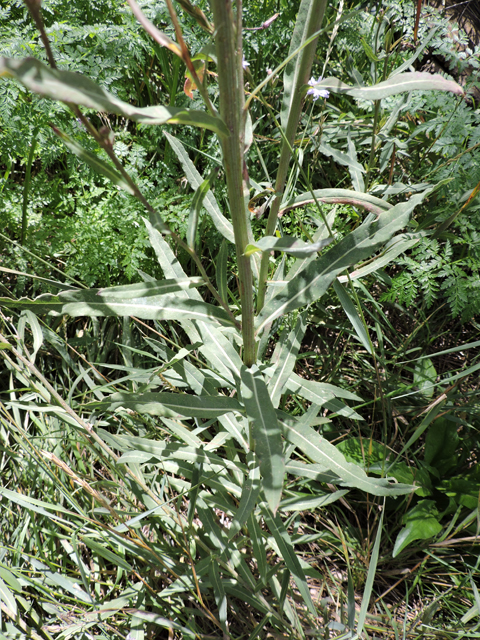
column 317, row 93
column 245, row 64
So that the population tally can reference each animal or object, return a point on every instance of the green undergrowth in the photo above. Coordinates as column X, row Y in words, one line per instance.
column 165, row 472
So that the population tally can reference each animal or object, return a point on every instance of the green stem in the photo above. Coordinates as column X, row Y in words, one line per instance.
column 230, row 81
column 298, row 96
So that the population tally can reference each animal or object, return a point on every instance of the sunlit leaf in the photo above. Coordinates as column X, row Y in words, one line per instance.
column 266, row 432
column 287, row 244
column 410, row 81
column 76, row 88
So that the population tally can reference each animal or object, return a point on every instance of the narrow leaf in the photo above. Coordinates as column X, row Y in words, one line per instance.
column 352, row 315
column 286, row 360
column 94, row 162
column 221, row 271
column 93, row 303
column 196, row 206
column 223, row 225
column 287, row 244
column 356, row 174
column 338, row 196
column 342, row 158
column 170, row 404
column 287, row 551
column 311, row 283
column 197, row 14
column 266, row 432
column 329, row 457
column 248, row 501
column 75, row 88
column 372, row 569
column 411, row 81
column 219, row 595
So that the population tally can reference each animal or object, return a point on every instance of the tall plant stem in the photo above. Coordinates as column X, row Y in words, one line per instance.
column 230, row 80
column 298, row 95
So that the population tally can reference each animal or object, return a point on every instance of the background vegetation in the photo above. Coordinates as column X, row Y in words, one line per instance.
column 86, row 550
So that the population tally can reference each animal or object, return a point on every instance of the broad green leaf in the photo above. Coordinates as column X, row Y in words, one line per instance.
column 425, row 376
column 352, row 315
column 287, row 358
column 148, row 305
column 338, row 196
column 266, row 432
column 421, row 523
column 330, row 458
column 313, row 281
column 170, row 404
column 342, row 158
column 411, row 81
column 441, row 444
column 75, row 88
column 94, row 162
column 287, row 244
column 287, row 551
column 195, row 180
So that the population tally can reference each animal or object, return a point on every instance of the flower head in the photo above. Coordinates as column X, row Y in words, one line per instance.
column 317, row 93
column 245, row 64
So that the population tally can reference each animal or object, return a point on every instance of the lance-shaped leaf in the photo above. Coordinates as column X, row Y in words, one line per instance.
column 195, row 180
column 353, row 316
column 266, row 432
column 76, row 88
column 338, row 196
column 411, row 81
column 93, row 161
column 356, row 174
column 342, row 158
column 313, row 281
column 309, row 18
column 287, row 244
column 329, row 457
column 248, row 501
column 170, row 405
column 152, row 30
column 197, row 14
column 196, row 206
column 287, row 552
column 398, row 245
column 146, row 304
column 286, row 360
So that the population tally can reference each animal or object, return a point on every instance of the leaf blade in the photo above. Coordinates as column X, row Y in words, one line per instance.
column 266, row 433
